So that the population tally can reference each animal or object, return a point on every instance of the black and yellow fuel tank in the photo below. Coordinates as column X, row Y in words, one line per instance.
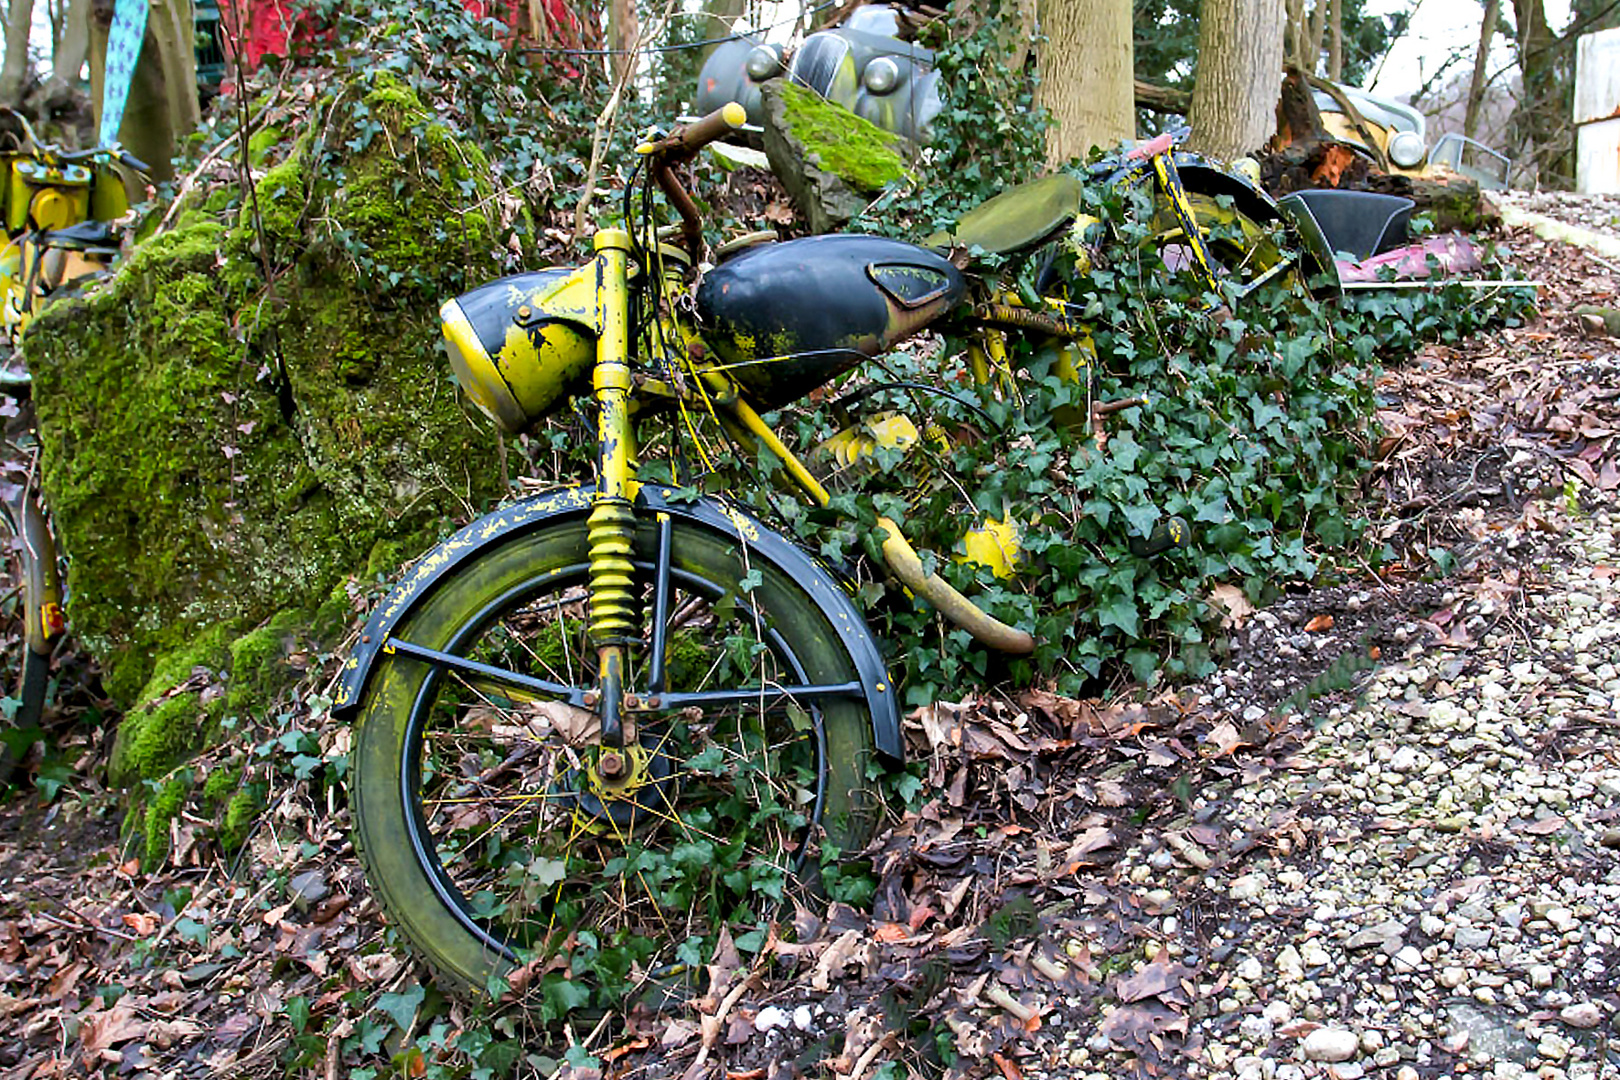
column 785, row 318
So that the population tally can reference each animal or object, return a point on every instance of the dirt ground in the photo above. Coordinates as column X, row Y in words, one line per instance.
column 1006, row 912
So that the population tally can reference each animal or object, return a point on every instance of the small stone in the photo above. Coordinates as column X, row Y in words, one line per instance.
column 1247, row 887
column 770, row 1018
column 1313, row 954
column 1554, row 1047
column 1331, row 1044
column 1406, row 1072
column 1586, row 1014
column 1372, row 1040
column 1542, row 975
column 1255, row 1028
column 307, row 888
column 1410, row 958
column 1250, row 970
column 1472, row 937
column 1453, row 977
column 1563, row 919
column 1348, row 1070
column 803, row 1017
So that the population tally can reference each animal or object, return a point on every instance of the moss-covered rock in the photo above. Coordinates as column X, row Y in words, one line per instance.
column 258, row 398
column 831, row 161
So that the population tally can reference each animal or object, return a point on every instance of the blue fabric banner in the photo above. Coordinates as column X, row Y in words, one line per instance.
column 123, row 50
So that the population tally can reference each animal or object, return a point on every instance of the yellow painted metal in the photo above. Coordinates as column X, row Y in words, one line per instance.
column 756, row 427
column 994, row 545
column 887, row 430
column 901, row 559
column 535, row 364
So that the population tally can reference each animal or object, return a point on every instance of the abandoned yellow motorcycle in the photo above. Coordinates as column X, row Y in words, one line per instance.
column 597, row 723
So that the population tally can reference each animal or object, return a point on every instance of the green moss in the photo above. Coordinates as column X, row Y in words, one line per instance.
column 240, row 814
column 856, row 149
column 258, row 664
column 221, row 450
column 222, row 783
column 164, row 808
column 262, row 142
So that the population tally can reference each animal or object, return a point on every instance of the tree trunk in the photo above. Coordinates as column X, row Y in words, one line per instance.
column 1294, row 52
column 1476, row 85
column 1537, row 118
column 162, row 106
column 718, row 18
column 1318, row 28
column 1086, row 75
column 73, row 44
column 19, row 21
column 1240, row 60
column 624, row 32
column 1336, row 41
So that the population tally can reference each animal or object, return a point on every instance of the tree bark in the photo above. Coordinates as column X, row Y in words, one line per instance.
column 1240, row 60
column 1537, row 116
column 1294, row 39
column 162, row 107
column 73, row 44
column 1086, row 75
column 624, row 33
column 1336, row 41
column 1318, row 28
column 1476, row 85
column 19, row 21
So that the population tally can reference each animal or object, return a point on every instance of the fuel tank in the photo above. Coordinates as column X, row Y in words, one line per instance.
column 785, row 318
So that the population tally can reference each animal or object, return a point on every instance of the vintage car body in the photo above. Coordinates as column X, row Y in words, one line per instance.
column 861, row 65
column 1400, row 133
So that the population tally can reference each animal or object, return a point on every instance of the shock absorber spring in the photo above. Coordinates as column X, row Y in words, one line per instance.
column 615, row 613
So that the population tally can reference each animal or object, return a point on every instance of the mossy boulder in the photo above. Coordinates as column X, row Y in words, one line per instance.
column 831, row 161
column 257, row 402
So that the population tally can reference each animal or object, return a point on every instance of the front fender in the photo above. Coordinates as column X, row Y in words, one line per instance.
column 509, row 521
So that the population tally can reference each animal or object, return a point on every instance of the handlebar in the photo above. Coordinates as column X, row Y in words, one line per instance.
column 125, row 158
column 680, row 145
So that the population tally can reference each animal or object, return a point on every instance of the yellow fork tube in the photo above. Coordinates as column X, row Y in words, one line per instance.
column 615, row 614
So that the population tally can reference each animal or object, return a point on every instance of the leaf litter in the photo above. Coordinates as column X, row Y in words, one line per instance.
column 1003, row 914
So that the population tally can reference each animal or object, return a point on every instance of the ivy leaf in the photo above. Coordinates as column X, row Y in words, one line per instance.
column 1120, row 612
column 401, row 1007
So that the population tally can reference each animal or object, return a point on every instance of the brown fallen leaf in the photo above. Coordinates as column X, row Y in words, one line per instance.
column 1318, row 624
column 1235, row 606
column 102, row 1030
column 1544, row 826
column 1154, row 980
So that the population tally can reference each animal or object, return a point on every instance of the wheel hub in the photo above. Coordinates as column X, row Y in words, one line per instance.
column 624, row 787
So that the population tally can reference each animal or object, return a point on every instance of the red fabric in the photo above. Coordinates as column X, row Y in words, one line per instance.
column 278, row 28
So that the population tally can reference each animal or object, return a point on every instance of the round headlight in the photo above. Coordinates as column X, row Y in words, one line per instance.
column 881, row 75
column 764, row 62
column 1406, row 149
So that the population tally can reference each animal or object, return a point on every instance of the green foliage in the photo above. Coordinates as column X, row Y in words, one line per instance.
column 989, row 135
column 163, row 808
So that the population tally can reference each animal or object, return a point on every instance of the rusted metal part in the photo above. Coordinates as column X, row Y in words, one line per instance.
column 1017, row 318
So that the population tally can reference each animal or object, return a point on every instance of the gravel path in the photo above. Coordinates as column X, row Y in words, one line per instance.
column 1442, row 897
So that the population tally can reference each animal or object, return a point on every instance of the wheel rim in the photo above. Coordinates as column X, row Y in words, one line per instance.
column 527, row 837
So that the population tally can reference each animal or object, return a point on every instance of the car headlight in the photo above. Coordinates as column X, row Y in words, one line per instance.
column 881, row 75
column 1406, row 149
column 765, row 62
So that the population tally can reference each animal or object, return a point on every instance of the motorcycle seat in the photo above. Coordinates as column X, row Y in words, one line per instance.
column 1019, row 219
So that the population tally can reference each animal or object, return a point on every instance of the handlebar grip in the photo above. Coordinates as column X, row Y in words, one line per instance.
column 717, row 125
column 688, row 140
column 130, row 161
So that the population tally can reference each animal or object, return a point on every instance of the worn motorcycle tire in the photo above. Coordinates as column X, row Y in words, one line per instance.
column 490, row 836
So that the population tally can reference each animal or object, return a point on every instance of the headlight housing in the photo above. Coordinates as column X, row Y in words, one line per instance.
column 1406, row 149
column 881, row 75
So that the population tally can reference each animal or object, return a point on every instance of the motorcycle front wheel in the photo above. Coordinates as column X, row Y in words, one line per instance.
column 502, row 847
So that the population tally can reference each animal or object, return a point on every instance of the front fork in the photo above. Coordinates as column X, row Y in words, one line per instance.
column 615, row 619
